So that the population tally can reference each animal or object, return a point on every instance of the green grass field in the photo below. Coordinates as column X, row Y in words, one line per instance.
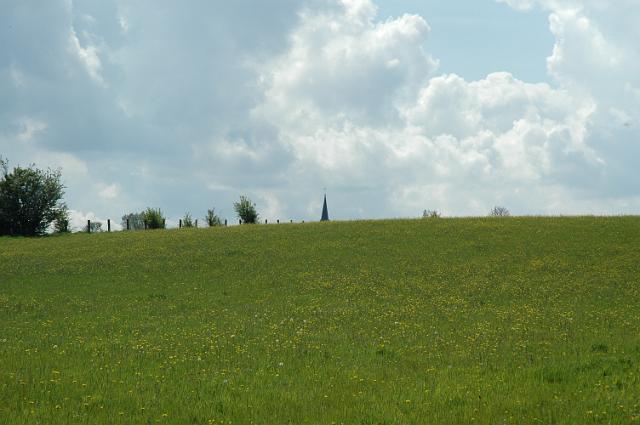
column 437, row 321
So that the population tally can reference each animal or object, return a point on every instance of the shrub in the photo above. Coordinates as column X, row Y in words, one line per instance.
column 431, row 214
column 153, row 218
column 187, row 221
column 30, row 200
column 246, row 210
column 212, row 219
column 499, row 212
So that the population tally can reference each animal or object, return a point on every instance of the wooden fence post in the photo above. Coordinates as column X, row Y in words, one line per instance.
column 88, row 226
column 278, row 221
column 225, row 222
column 128, row 228
column 164, row 223
column 196, row 223
column 108, row 225
column 265, row 221
column 180, row 224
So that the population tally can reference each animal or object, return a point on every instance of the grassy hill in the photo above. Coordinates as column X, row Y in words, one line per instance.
column 439, row 321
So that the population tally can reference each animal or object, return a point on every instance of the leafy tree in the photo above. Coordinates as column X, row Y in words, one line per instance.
column 431, row 214
column 62, row 222
column 212, row 219
column 153, row 218
column 499, row 212
column 246, row 210
column 187, row 221
column 96, row 227
column 30, row 200
column 136, row 221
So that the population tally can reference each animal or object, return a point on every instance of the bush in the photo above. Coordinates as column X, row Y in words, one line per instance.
column 431, row 214
column 30, row 200
column 187, row 221
column 246, row 210
column 499, row 212
column 212, row 218
column 153, row 218
column 136, row 221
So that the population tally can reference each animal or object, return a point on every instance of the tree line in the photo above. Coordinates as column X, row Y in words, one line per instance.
column 31, row 204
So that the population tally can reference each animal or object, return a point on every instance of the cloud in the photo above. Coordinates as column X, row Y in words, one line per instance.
column 151, row 103
column 78, row 221
column 133, row 89
column 30, row 128
column 88, row 56
column 109, row 192
column 523, row 5
column 595, row 58
column 441, row 142
column 342, row 63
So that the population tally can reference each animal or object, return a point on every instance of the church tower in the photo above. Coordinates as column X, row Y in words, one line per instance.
column 325, row 211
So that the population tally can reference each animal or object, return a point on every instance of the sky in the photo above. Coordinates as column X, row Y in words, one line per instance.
column 390, row 106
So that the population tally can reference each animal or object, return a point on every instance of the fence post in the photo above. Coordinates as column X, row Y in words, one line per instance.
column 88, row 226
column 278, row 221
column 108, row 225
column 128, row 228
column 164, row 223
column 265, row 221
column 225, row 222
column 239, row 221
column 196, row 223
column 180, row 224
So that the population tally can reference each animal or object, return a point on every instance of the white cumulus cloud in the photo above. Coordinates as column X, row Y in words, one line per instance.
column 401, row 136
column 187, row 107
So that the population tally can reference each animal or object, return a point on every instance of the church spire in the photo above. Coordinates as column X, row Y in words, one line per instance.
column 325, row 210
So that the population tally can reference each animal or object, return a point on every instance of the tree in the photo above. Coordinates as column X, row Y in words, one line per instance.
column 431, row 214
column 187, row 221
column 30, row 199
column 96, row 227
column 136, row 221
column 212, row 219
column 153, row 218
column 62, row 222
column 246, row 210
column 499, row 212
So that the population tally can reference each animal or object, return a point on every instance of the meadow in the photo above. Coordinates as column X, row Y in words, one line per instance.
column 490, row 321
